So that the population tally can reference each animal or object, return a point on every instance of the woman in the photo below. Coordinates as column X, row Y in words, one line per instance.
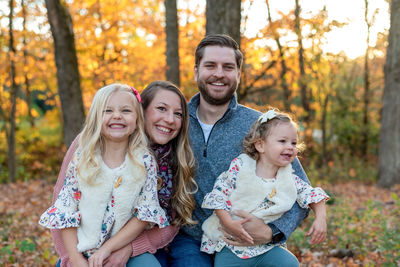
column 166, row 125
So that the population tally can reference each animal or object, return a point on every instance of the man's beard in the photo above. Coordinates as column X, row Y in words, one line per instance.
column 216, row 101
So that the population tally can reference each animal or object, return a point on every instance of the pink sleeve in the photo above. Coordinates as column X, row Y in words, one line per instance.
column 153, row 239
column 56, row 233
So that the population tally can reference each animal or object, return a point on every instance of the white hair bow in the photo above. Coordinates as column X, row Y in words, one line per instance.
column 269, row 115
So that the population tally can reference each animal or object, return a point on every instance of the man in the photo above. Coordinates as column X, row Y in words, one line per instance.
column 218, row 125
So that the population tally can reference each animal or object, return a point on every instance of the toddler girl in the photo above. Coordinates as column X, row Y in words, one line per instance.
column 260, row 181
column 110, row 191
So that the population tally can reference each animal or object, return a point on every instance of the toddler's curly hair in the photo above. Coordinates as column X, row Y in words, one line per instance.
column 260, row 130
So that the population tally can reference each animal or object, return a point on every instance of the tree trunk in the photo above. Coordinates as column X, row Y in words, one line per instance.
column 284, row 84
column 67, row 69
column 389, row 139
column 27, row 83
column 224, row 17
column 172, row 32
column 302, row 77
column 13, row 97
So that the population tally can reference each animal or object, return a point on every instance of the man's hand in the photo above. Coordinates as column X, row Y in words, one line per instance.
column 119, row 258
column 255, row 227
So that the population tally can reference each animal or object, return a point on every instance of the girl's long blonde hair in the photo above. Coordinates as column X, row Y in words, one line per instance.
column 184, row 185
column 90, row 145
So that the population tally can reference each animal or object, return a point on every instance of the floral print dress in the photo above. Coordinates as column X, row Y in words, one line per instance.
column 219, row 198
column 65, row 212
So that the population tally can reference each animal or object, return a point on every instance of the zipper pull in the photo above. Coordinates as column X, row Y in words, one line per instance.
column 205, row 150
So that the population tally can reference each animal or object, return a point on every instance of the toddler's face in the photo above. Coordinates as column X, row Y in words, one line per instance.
column 279, row 148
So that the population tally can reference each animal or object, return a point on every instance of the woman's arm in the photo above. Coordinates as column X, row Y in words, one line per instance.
column 148, row 241
column 129, row 232
column 153, row 239
column 56, row 233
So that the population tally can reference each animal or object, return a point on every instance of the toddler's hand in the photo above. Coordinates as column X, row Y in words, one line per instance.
column 318, row 231
column 96, row 260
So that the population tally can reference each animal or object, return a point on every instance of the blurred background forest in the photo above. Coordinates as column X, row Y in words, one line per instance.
column 323, row 61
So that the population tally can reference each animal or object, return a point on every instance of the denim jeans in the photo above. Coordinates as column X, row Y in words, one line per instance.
column 276, row 257
column 144, row 260
column 185, row 252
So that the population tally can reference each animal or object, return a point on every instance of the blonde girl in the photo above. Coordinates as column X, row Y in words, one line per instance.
column 109, row 194
column 260, row 181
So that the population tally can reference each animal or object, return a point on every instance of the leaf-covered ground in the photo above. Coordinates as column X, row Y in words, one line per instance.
column 362, row 220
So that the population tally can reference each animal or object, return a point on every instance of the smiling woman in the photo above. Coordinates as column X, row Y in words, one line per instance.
column 166, row 126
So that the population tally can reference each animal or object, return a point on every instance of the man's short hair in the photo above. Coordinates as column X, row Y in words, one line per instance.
column 222, row 40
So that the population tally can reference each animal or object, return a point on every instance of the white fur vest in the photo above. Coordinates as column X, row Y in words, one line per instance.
column 251, row 191
column 95, row 198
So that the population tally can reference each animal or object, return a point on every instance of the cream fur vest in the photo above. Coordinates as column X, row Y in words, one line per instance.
column 251, row 191
column 95, row 198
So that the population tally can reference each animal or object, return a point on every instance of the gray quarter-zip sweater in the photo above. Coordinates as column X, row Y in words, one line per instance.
column 214, row 156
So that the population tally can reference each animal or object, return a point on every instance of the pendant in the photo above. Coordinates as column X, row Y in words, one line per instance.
column 273, row 193
column 118, row 182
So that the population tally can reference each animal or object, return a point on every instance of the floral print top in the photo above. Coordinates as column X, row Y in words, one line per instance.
column 218, row 198
column 165, row 175
column 65, row 212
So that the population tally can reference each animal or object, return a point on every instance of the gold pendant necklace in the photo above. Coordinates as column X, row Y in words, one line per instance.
column 273, row 193
column 118, row 182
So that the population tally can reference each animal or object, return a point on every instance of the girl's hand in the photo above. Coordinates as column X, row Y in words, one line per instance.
column 96, row 260
column 78, row 261
column 318, row 231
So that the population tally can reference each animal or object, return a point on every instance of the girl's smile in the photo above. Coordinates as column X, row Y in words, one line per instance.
column 119, row 117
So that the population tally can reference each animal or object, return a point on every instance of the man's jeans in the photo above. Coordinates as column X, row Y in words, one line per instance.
column 185, row 252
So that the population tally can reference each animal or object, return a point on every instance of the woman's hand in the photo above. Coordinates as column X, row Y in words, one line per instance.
column 96, row 260
column 119, row 258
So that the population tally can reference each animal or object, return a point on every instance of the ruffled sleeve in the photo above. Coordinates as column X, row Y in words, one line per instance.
column 148, row 207
column 218, row 198
column 64, row 212
column 307, row 194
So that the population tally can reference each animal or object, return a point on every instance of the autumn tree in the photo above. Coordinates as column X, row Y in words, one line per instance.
column 366, row 99
column 224, row 17
column 68, row 79
column 10, row 132
column 286, row 92
column 304, row 92
column 389, row 139
column 172, row 35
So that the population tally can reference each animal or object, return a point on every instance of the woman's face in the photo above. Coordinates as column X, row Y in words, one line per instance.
column 163, row 117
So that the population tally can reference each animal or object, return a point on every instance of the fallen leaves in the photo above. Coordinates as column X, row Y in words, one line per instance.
column 25, row 243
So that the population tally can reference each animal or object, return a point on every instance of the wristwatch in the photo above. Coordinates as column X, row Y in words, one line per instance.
column 277, row 235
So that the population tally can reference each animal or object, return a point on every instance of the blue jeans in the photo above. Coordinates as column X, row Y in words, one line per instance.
column 185, row 252
column 146, row 259
column 276, row 257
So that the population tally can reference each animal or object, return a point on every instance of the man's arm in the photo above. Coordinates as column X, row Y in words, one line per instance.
column 279, row 230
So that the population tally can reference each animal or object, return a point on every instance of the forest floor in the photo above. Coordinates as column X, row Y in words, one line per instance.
column 355, row 217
